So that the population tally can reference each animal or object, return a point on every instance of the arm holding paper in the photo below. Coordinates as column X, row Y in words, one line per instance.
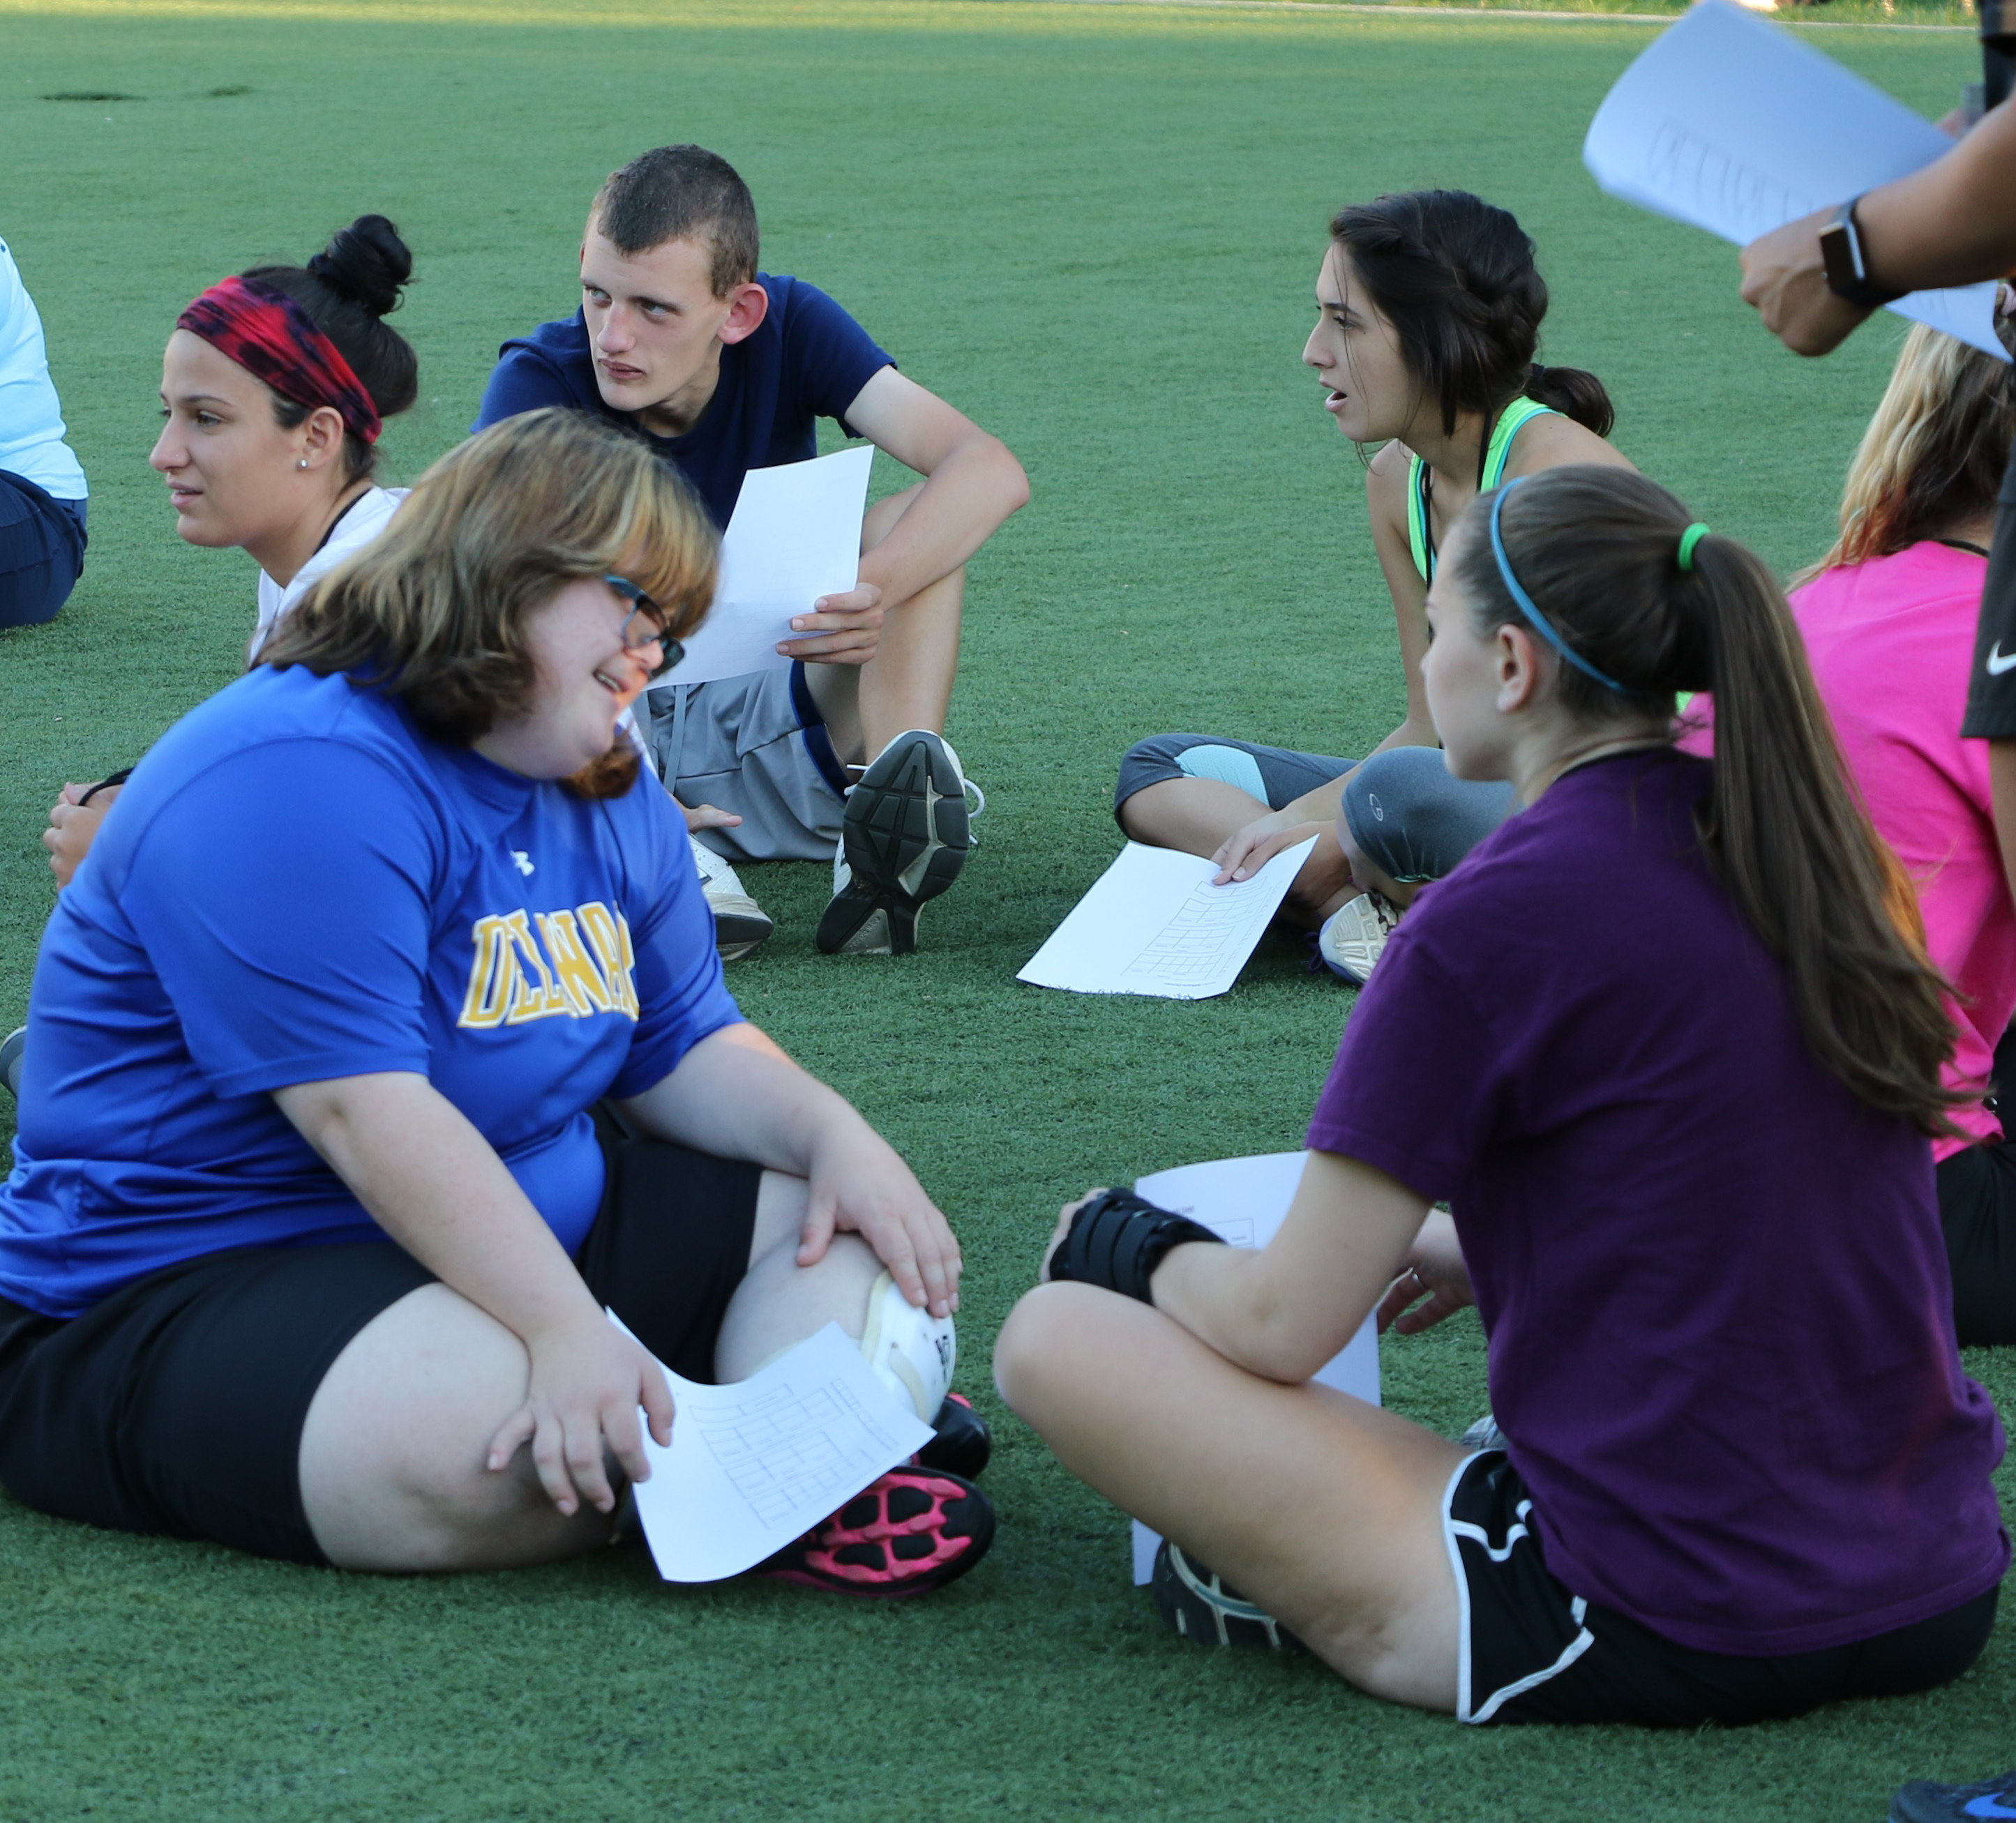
column 1952, row 223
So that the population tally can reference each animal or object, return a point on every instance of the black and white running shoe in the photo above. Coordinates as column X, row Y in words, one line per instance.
column 906, row 830
column 1201, row 1607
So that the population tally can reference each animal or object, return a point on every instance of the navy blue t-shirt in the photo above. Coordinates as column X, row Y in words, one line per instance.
column 807, row 360
column 298, row 885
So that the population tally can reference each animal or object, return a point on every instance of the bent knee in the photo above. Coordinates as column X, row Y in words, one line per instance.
column 879, row 520
column 1046, row 1346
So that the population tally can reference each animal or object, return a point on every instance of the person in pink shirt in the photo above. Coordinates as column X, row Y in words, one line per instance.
column 1888, row 619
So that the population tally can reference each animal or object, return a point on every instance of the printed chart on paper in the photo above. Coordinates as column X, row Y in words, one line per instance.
column 1153, row 923
column 754, row 1465
column 786, row 1448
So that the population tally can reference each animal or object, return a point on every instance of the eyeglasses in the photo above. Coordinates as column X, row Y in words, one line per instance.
column 652, row 632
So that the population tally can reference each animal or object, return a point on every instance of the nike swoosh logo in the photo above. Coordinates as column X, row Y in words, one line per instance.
column 1991, row 1806
column 1997, row 664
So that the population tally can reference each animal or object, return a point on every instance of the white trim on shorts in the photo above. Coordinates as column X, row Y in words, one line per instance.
column 1575, row 1649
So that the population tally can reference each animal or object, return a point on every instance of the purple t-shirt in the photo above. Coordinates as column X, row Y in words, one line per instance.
column 1720, row 1325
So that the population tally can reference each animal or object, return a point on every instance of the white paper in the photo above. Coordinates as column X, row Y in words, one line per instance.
column 1243, row 1200
column 753, row 1465
column 795, row 535
column 1729, row 122
column 1153, row 923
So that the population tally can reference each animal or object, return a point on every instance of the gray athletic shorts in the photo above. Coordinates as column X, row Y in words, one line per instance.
column 757, row 745
column 1407, row 815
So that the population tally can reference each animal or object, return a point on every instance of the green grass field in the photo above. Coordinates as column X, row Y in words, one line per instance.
column 1095, row 228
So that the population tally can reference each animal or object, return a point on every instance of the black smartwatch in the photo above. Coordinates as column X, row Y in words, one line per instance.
column 1847, row 263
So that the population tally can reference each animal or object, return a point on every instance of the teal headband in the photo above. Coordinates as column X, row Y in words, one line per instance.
column 1689, row 538
column 1526, row 602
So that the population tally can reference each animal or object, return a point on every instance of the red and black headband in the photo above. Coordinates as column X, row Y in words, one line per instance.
column 273, row 339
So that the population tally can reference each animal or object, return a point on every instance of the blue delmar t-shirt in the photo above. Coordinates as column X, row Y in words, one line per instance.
column 807, row 360
column 298, row 885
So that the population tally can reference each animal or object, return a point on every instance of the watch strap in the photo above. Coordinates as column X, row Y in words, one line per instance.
column 1846, row 262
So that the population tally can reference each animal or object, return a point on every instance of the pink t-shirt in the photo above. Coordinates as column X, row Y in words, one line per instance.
column 1892, row 642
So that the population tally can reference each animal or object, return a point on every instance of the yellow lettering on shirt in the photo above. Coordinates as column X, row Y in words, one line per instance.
column 609, row 932
column 490, row 975
column 536, row 994
column 579, row 963
column 578, row 977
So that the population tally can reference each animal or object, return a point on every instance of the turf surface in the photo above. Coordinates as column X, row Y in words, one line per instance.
column 1095, row 229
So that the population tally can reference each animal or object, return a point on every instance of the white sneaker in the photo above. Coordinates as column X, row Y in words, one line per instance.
column 1353, row 935
column 741, row 927
column 908, row 827
column 912, row 1352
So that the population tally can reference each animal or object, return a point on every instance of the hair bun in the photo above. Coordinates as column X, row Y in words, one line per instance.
column 367, row 261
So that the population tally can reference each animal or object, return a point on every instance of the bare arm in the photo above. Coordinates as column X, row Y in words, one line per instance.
column 972, row 485
column 1284, row 1311
column 439, row 1189
column 736, row 1095
column 1952, row 223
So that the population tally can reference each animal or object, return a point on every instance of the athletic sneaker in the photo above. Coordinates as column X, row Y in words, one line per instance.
column 963, row 1443
column 741, row 927
column 1483, row 1435
column 905, row 835
column 912, row 1531
column 11, row 1048
column 1202, row 1607
column 1353, row 936
column 1923, row 1802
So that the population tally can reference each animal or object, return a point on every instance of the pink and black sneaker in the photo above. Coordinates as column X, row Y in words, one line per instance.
column 961, row 1443
column 912, row 1531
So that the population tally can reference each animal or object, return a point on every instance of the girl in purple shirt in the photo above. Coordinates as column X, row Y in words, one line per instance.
column 1668, row 1044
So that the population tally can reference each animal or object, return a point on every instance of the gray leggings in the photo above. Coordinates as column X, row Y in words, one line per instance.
column 1408, row 816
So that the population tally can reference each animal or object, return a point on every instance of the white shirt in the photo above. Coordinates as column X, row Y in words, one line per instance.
column 362, row 520
column 32, row 426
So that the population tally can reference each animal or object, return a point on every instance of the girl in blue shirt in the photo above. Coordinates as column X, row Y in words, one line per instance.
column 310, row 1225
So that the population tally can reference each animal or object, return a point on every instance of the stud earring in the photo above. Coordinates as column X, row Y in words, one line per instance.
column 303, row 463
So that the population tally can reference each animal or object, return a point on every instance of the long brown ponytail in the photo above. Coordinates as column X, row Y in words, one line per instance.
column 1597, row 550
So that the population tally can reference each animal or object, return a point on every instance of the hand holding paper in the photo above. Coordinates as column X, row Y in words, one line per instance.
column 795, row 535
column 1728, row 123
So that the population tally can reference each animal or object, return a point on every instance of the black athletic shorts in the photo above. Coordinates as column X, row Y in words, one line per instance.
column 1531, row 1651
column 175, row 1405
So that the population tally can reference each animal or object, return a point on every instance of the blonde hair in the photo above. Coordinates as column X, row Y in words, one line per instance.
column 434, row 611
column 1933, row 454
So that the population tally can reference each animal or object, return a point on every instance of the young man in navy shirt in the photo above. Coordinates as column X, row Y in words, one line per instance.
column 725, row 369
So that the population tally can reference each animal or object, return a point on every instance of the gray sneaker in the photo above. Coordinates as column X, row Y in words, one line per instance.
column 11, row 1049
column 1483, row 1435
column 1354, row 936
column 908, row 827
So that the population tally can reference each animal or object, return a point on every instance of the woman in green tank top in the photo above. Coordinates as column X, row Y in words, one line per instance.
column 1429, row 308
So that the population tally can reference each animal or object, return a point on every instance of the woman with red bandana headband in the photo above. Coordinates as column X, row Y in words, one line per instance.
column 274, row 388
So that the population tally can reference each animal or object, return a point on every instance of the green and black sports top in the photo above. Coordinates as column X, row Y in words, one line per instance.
column 1490, row 472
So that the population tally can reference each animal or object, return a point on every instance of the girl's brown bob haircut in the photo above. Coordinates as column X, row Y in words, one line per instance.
column 434, row 611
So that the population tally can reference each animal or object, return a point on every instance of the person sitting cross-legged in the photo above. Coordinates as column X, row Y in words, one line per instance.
column 725, row 369
column 319, row 1192
column 1668, row 1045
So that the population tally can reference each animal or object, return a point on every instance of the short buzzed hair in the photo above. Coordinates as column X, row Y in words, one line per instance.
column 675, row 193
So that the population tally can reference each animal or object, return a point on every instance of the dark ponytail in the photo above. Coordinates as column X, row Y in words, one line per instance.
column 1597, row 550
column 1455, row 277
column 355, row 281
